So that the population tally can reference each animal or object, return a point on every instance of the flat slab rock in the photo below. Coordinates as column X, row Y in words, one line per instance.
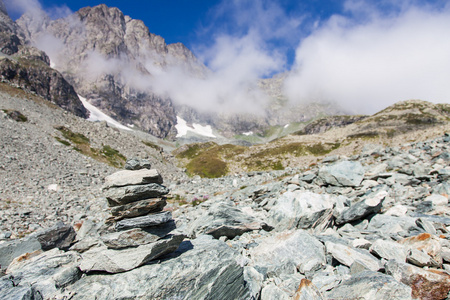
column 344, row 173
column 296, row 248
column 369, row 205
column 144, row 221
column 117, row 261
column 203, row 268
column 224, row 219
column 128, row 177
column 299, row 209
column 137, row 209
column 347, row 256
column 127, row 194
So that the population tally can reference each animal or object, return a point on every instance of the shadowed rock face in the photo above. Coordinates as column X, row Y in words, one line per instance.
column 28, row 68
column 35, row 76
column 110, row 59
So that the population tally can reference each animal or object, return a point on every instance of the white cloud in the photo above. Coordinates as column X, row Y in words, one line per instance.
column 20, row 7
column 366, row 64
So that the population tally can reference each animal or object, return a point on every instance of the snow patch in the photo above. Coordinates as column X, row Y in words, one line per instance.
column 183, row 128
column 97, row 115
column 286, row 126
column 248, row 133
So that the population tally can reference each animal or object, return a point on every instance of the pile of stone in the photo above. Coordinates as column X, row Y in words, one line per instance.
column 138, row 230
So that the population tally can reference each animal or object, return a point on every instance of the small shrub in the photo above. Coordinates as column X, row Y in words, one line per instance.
column 15, row 115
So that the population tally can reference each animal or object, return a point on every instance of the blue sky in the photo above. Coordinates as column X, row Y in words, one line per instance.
column 363, row 54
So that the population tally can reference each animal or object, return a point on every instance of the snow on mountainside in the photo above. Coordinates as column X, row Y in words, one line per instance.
column 97, row 115
column 183, row 129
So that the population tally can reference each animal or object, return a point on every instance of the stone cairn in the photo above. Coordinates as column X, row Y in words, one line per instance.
column 138, row 228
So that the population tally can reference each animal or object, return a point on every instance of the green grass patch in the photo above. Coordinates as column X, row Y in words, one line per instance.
column 207, row 166
column 76, row 138
column 81, row 143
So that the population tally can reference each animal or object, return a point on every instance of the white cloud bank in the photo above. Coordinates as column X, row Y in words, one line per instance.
column 368, row 61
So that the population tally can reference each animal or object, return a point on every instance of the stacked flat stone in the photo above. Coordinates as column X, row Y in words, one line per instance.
column 136, row 197
column 141, row 230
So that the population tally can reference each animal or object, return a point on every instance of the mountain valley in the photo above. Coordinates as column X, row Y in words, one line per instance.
column 136, row 196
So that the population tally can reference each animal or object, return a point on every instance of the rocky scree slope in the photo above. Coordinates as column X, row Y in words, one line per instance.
column 337, row 135
column 52, row 163
column 370, row 226
column 28, row 68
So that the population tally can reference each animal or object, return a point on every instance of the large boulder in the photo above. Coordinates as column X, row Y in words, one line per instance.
column 224, row 219
column 344, row 173
column 368, row 205
column 299, row 209
column 425, row 284
column 203, row 268
column 286, row 250
column 116, row 261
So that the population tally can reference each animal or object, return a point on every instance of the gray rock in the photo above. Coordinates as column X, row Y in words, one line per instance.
column 144, row 221
column 391, row 224
column 43, row 275
column 137, row 209
column 124, row 195
column 371, row 204
column 127, row 177
column 137, row 164
column 427, row 243
column 345, row 173
column 59, row 236
column 300, row 209
column 12, row 249
column 426, row 225
column 224, row 219
column 290, row 248
column 203, row 268
column 425, row 284
column 347, row 256
column 271, row 291
column 388, row 250
column 116, row 261
column 420, row 258
column 307, row 291
column 129, row 238
column 437, row 200
column 370, row 286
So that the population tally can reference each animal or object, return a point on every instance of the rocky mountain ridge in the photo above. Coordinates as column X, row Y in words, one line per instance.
column 112, row 61
column 108, row 57
column 29, row 68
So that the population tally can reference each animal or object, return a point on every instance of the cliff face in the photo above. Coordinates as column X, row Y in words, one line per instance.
column 28, row 68
column 111, row 59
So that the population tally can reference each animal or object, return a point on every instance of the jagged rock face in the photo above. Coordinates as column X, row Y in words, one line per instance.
column 29, row 69
column 37, row 77
column 110, row 59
